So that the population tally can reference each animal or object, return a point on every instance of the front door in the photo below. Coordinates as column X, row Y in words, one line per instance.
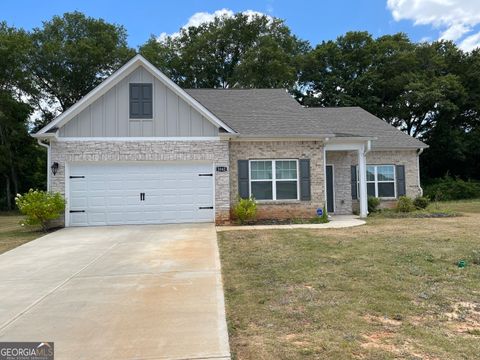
column 330, row 190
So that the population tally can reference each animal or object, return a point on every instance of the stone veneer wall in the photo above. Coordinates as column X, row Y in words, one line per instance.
column 95, row 151
column 282, row 209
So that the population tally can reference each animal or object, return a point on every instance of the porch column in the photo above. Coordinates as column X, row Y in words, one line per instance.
column 362, row 175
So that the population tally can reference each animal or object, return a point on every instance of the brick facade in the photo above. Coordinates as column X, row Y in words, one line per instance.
column 215, row 151
column 224, row 153
column 342, row 160
column 312, row 150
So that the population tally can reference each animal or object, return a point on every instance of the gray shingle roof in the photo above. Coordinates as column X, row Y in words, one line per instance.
column 273, row 112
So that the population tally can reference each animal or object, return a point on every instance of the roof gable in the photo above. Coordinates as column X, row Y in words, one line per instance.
column 116, row 78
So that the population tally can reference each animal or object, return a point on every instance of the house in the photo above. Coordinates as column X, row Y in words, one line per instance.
column 138, row 149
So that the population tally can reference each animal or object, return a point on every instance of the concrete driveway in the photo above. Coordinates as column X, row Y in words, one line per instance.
column 120, row 292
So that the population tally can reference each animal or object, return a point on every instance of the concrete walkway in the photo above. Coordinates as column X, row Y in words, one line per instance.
column 336, row 222
column 123, row 292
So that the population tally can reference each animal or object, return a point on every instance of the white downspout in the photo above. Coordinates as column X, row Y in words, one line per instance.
column 48, row 161
column 419, row 152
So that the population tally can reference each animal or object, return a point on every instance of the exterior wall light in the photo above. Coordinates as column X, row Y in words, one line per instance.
column 54, row 168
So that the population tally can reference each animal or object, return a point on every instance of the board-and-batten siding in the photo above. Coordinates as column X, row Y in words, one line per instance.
column 108, row 116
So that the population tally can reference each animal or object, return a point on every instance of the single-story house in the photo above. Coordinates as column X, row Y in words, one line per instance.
column 138, row 149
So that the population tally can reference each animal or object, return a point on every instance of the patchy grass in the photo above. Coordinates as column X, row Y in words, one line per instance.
column 12, row 234
column 389, row 289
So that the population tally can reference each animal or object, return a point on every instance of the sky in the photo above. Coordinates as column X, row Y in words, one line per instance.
column 315, row 20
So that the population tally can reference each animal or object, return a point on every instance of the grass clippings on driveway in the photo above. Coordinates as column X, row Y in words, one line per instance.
column 389, row 289
column 12, row 234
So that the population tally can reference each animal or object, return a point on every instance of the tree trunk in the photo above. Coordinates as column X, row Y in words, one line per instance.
column 8, row 193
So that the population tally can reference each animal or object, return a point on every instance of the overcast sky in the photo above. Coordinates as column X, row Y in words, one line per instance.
column 316, row 20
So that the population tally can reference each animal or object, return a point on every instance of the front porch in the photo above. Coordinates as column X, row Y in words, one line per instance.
column 346, row 189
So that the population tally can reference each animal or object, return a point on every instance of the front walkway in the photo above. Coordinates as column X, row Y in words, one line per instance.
column 119, row 292
column 336, row 222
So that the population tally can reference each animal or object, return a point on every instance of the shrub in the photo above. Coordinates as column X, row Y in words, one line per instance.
column 373, row 204
column 40, row 207
column 324, row 217
column 448, row 188
column 245, row 210
column 421, row 202
column 405, row 204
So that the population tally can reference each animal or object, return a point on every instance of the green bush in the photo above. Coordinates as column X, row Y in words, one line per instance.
column 245, row 210
column 40, row 207
column 405, row 204
column 373, row 204
column 421, row 202
column 324, row 218
column 448, row 188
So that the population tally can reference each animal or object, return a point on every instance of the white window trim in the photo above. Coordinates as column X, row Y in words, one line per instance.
column 376, row 181
column 273, row 179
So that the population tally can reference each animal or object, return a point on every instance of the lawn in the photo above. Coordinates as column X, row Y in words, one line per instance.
column 12, row 234
column 389, row 289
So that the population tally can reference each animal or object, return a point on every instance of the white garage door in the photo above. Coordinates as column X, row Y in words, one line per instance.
column 140, row 193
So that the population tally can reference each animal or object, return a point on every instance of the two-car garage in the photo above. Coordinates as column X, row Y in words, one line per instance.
column 107, row 193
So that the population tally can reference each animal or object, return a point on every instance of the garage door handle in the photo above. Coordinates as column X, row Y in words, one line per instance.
column 77, row 211
column 77, row 177
column 205, row 174
column 142, row 196
column 205, row 207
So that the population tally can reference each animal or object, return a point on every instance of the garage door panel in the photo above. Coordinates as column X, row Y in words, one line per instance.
column 110, row 193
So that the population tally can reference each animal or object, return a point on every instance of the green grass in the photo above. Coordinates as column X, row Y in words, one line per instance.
column 12, row 234
column 390, row 289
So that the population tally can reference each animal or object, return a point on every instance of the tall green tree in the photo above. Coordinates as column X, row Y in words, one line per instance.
column 430, row 91
column 20, row 158
column 71, row 55
column 239, row 51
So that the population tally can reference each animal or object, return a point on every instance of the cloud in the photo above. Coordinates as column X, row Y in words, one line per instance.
column 453, row 18
column 471, row 42
column 206, row 17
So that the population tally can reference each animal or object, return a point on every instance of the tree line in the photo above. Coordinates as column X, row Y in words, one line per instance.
column 429, row 90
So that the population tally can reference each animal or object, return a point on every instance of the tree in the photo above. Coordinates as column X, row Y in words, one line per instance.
column 239, row 51
column 20, row 159
column 71, row 55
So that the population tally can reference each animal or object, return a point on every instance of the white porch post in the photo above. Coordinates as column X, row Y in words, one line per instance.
column 362, row 175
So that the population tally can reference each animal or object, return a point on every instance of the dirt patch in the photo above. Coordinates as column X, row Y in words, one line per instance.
column 465, row 317
column 379, row 340
column 296, row 340
column 382, row 320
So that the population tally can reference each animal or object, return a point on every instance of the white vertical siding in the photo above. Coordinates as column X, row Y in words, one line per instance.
column 109, row 115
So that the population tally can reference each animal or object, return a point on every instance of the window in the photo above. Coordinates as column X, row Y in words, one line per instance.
column 380, row 181
column 274, row 179
column 141, row 101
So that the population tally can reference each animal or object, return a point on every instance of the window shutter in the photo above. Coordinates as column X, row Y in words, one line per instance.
column 141, row 103
column 147, row 101
column 400, row 173
column 353, row 170
column 135, row 103
column 243, row 178
column 304, row 165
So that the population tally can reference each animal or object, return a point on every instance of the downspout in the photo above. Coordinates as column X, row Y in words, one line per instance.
column 419, row 152
column 48, row 161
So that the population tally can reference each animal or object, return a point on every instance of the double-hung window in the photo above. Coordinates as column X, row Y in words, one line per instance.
column 381, row 181
column 274, row 179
